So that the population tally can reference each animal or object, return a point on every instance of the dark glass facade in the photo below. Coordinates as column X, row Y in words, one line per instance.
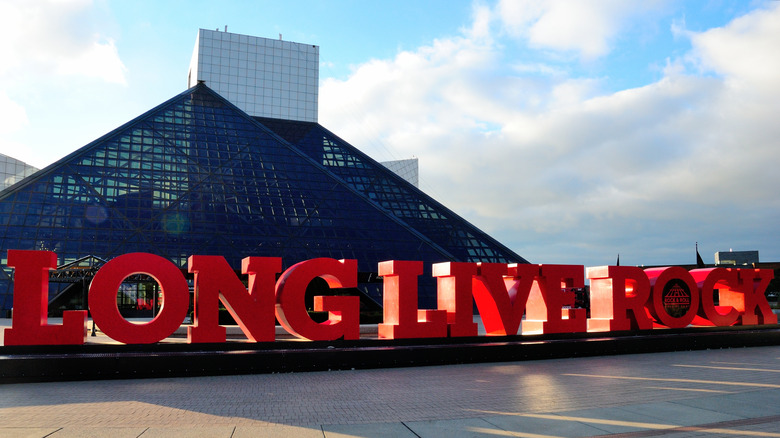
column 196, row 175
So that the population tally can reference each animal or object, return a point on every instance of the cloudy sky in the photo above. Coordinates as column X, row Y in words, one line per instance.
column 572, row 131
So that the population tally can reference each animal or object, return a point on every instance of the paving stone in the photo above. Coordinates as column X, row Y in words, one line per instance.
column 26, row 432
column 457, row 428
column 371, row 430
column 679, row 413
column 189, row 432
column 278, row 431
column 557, row 427
column 97, row 432
column 564, row 397
column 607, row 420
column 745, row 405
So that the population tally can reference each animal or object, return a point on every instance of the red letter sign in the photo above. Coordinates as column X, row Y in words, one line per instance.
column 344, row 320
column 675, row 296
column 104, row 288
column 550, row 308
column 29, row 324
column 402, row 319
column 748, row 297
column 709, row 280
column 617, row 299
column 454, row 296
column 253, row 311
column 501, row 292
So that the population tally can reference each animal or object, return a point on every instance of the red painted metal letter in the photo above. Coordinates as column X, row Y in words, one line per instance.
column 454, row 295
column 617, row 299
column 104, row 288
column 550, row 307
column 501, row 292
column 344, row 319
column 748, row 297
column 253, row 310
column 29, row 324
column 674, row 299
column 709, row 280
column 402, row 319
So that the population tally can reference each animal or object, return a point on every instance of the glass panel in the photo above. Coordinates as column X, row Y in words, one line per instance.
column 196, row 176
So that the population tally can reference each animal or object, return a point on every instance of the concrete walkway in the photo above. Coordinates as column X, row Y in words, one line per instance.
column 711, row 393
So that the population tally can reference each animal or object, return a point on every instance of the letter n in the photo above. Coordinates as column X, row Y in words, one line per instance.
column 253, row 309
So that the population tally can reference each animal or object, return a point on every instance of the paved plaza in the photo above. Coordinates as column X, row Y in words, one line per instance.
column 733, row 392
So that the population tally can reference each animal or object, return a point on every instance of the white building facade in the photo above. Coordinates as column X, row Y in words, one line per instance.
column 13, row 171
column 263, row 77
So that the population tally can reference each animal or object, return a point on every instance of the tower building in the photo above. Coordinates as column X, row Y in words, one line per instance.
column 261, row 76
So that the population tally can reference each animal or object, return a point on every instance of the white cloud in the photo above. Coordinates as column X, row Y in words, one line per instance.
column 585, row 27
column 480, row 28
column 407, row 89
column 49, row 50
column 560, row 171
column 744, row 51
column 42, row 37
column 14, row 118
column 100, row 61
column 12, row 114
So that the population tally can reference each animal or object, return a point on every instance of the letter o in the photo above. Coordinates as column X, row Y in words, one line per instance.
column 659, row 279
column 103, row 291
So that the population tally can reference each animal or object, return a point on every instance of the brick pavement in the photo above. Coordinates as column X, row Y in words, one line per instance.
column 732, row 392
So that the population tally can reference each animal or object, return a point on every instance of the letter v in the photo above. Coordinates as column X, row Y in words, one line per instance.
column 501, row 292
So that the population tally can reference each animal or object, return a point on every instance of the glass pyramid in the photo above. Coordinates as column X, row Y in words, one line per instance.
column 196, row 175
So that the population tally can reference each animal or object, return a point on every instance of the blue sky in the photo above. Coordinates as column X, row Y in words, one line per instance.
column 569, row 130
